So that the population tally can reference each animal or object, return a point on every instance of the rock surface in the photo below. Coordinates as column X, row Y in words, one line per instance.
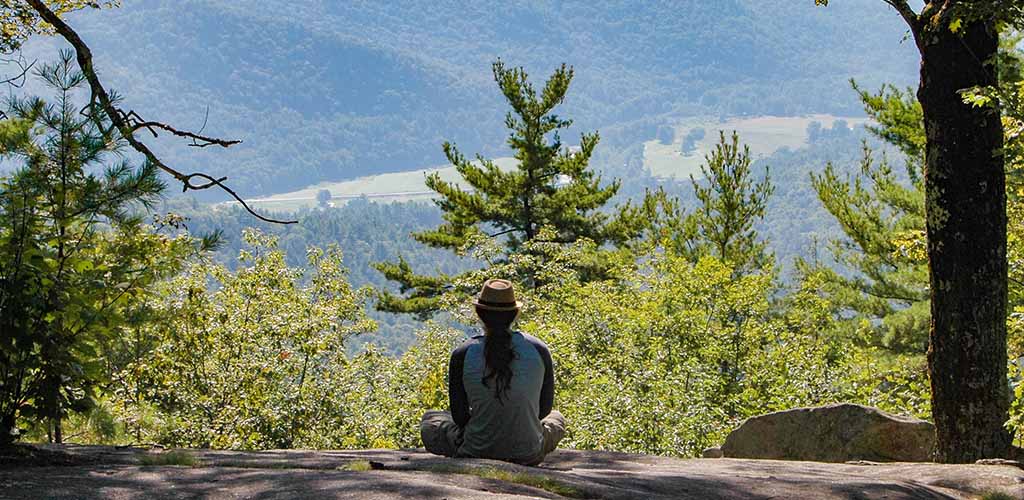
column 833, row 433
column 105, row 472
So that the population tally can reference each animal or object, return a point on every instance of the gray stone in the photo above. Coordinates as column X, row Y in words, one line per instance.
column 116, row 473
column 712, row 452
column 833, row 433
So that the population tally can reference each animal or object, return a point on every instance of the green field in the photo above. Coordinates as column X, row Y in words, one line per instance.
column 764, row 135
column 390, row 187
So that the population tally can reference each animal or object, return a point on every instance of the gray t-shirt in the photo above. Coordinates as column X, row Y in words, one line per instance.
column 510, row 428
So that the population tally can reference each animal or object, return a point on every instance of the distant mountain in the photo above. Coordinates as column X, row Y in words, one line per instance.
column 327, row 90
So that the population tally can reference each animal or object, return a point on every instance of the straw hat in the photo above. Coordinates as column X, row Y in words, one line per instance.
column 497, row 295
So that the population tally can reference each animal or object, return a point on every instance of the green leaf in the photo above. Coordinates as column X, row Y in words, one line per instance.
column 956, row 24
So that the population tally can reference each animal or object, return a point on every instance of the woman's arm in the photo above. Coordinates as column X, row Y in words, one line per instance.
column 547, row 391
column 458, row 401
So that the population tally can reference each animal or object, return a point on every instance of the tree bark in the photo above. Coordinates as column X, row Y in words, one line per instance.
column 966, row 229
column 58, row 429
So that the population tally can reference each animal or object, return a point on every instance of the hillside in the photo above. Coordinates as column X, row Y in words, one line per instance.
column 662, row 161
column 327, row 91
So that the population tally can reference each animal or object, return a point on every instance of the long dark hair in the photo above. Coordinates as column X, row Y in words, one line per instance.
column 498, row 352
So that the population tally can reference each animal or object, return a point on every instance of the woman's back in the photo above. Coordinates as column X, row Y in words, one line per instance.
column 509, row 427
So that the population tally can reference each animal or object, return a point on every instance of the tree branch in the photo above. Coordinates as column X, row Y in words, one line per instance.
column 210, row 182
column 135, row 122
column 509, row 230
column 17, row 81
column 909, row 16
column 128, row 123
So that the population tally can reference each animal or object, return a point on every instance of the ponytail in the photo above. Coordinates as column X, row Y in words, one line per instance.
column 498, row 352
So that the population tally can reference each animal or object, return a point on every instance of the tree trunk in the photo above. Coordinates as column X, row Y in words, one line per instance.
column 58, row 429
column 966, row 227
column 7, row 429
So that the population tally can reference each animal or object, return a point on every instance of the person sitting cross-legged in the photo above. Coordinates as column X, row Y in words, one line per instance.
column 500, row 390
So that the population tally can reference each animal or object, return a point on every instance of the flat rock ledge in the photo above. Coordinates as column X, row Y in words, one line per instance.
column 128, row 473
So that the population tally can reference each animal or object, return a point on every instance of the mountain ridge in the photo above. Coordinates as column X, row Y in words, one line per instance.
column 391, row 82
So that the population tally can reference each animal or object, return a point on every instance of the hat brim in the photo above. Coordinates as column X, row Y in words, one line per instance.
column 489, row 307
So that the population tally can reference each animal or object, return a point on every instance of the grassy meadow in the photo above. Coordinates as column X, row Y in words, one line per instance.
column 764, row 135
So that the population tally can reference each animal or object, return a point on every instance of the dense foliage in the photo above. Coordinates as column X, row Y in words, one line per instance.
column 366, row 232
column 249, row 359
column 75, row 263
column 665, row 354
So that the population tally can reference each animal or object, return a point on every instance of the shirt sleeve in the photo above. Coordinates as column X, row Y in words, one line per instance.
column 547, row 391
column 458, row 401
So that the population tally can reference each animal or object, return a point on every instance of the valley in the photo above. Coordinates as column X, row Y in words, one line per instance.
column 763, row 134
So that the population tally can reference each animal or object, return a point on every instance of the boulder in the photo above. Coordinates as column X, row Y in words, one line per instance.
column 712, row 452
column 833, row 433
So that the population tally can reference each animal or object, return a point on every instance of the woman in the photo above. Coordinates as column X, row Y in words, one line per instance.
column 500, row 389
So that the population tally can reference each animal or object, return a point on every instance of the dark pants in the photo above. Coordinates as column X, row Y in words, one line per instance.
column 442, row 436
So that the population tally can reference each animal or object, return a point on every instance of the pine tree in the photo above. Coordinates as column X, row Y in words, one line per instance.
column 74, row 252
column 730, row 204
column 882, row 213
column 550, row 187
column 882, row 219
